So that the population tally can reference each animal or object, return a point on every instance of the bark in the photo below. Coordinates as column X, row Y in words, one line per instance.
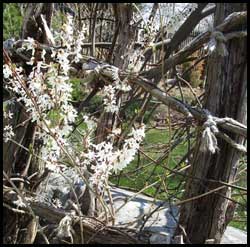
column 153, row 13
column 170, row 45
column 126, row 36
column 207, row 217
column 185, row 29
column 236, row 20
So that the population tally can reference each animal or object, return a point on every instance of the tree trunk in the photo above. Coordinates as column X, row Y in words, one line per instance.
column 123, row 13
column 226, row 96
column 126, row 36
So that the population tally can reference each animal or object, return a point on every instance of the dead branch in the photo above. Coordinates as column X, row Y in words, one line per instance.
column 230, row 23
column 92, row 228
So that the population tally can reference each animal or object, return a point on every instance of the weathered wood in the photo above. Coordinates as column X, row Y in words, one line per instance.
column 233, row 21
column 169, row 45
column 126, row 35
column 185, row 29
column 123, row 13
column 94, row 230
column 206, row 218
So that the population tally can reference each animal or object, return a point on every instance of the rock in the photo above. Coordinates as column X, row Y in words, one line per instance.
column 160, row 238
column 233, row 235
column 132, row 209
column 162, row 223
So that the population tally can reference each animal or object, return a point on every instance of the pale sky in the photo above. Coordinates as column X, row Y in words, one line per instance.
column 168, row 9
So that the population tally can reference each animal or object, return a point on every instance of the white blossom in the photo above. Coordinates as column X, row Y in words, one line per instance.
column 106, row 159
column 122, row 85
column 8, row 133
column 6, row 71
column 110, row 99
column 78, row 45
column 67, row 32
column 116, row 131
column 7, row 115
column 89, row 122
column 43, row 55
column 50, row 91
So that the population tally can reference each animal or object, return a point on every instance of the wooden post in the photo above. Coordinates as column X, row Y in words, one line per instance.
column 226, row 95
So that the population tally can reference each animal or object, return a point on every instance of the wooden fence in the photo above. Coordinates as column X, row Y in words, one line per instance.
column 103, row 39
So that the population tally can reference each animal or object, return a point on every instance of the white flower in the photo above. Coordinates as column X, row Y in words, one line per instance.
column 139, row 134
column 8, row 133
column 89, row 122
column 43, row 55
column 62, row 58
column 71, row 115
column 78, row 47
column 116, row 131
column 106, row 159
column 6, row 71
column 7, row 115
column 122, row 85
column 110, row 99
column 90, row 155
column 67, row 32
column 66, row 129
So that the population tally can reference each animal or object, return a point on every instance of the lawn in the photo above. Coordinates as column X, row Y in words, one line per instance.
column 154, row 146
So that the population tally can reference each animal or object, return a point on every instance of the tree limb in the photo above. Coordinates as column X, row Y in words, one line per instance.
column 230, row 23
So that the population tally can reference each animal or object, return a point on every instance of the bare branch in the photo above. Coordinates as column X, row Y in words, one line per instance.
column 231, row 22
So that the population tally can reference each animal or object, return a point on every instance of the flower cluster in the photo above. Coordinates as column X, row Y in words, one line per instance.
column 104, row 158
column 110, row 99
column 6, row 71
column 78, row 45
column 8, row 130
column 7, row 133
column 109, row 94
column 7, row 115
column 66, row 35
column 122, row 85
column 46, row 94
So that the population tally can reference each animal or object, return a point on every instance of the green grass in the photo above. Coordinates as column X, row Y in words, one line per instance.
column 154, row 142
column 78, row 92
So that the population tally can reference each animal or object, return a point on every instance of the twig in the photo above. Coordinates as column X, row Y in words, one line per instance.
column 23, row 199
column 191, row 89
column 199, row 196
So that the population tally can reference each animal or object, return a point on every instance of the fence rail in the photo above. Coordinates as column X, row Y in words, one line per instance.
column 103, row 39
